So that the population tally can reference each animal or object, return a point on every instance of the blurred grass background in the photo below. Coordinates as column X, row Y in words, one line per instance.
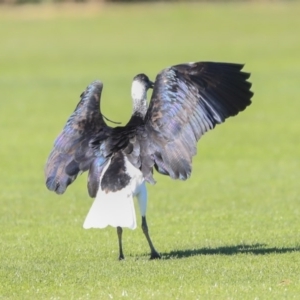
column 230, row 232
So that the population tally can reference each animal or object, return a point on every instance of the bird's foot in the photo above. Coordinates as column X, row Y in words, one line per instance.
column 121, row 257
column 155, row 255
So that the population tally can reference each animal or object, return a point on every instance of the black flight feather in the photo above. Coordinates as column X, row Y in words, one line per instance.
column 187, row 101
column 71, row 153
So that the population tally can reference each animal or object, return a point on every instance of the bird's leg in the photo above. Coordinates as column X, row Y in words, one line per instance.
column 120, row 231
column 154, row 253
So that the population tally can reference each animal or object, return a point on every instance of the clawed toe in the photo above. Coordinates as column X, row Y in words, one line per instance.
column 155, row 255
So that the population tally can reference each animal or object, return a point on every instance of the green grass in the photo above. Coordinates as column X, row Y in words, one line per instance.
column 230, row 232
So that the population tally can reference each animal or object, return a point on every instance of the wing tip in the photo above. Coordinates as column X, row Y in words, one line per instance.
column 94, row 87
column 53, row 185
column 96, row 82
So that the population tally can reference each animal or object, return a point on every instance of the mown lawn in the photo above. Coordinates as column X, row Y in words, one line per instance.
column 230, row 232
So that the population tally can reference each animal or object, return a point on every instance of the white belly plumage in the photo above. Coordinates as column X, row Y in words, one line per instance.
column 117, row 208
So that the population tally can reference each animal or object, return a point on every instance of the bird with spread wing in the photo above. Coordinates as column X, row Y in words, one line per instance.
column 187, row 100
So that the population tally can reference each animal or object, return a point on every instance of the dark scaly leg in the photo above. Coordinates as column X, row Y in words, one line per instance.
column 120, row 231
column 154, row 253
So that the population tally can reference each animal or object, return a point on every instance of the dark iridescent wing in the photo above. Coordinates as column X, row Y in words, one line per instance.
column 187, row 101
column 71, row 153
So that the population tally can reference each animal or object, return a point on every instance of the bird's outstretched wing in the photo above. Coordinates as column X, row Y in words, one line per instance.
column 188, row 100
column 71, row 153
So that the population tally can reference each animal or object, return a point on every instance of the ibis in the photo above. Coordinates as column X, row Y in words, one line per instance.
column 187, row 100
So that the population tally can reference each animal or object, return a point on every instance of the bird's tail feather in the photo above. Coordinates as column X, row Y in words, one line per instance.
column 114, row 209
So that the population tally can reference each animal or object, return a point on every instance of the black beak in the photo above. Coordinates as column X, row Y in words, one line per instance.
column 151, row 84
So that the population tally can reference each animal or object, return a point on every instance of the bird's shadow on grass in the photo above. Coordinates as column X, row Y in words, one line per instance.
column 254, row 249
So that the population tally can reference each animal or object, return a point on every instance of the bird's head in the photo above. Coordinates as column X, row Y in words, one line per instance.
column 140, row 85
column 143, row 80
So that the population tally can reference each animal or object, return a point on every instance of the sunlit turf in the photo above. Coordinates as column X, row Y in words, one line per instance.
column 230, row 232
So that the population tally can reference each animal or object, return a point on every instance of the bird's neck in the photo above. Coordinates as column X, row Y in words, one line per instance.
column 140, row 107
